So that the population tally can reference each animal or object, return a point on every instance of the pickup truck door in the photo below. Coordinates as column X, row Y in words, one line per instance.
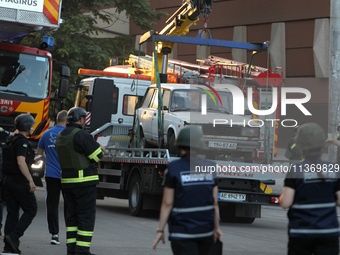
column 146, row 114
column 153, row 111
column 165, row 97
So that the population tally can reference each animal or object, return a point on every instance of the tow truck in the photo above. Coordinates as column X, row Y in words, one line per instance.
column 136, row 174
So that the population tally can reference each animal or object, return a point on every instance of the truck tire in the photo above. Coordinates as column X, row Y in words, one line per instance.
column 135, row 196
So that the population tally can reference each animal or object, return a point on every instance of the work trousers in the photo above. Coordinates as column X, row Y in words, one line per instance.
column 316, row 246
column 53, row 189
column 191, row 246
column 18, row 196
column 80, row 204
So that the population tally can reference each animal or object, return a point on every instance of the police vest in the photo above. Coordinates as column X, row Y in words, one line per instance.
column 313, row 213
column 193, row 212
column 69, row 159
column 77, row 169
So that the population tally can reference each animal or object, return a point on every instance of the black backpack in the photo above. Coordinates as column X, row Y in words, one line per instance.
column 9, row 159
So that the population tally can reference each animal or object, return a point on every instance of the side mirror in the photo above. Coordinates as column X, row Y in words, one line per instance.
column 165, row 108
column 63, row 88
column 65, row 71
column 88, row 105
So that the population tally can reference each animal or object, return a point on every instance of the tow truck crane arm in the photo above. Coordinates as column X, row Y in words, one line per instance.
column 178, row 25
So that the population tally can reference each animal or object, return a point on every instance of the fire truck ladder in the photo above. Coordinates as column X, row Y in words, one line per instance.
column 184, row 70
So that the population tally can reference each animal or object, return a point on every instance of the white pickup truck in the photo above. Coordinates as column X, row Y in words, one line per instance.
column 185, row 104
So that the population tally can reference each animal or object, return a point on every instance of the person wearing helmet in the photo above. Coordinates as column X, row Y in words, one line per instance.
column 4, row 134
column 311, row 192
column 78, row 155
column 293, row 153
column 193, row 219
column 19, row 187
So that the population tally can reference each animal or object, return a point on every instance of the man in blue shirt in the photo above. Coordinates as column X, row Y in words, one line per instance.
column 52, row 174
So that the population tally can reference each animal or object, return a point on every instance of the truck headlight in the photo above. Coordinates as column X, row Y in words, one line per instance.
column 250, row 132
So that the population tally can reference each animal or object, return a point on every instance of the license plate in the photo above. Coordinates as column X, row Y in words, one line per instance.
column 222, row 145
column 222, row 196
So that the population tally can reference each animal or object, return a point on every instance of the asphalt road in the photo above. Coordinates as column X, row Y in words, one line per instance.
column 116, row 232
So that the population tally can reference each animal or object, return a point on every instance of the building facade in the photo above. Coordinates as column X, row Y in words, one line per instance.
column 299, row 36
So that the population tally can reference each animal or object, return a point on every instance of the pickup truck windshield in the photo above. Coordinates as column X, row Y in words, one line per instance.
column 24, row 74
column 190, row 100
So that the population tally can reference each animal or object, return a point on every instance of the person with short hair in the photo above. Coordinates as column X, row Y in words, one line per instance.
column 312, row 192
column 52, row 174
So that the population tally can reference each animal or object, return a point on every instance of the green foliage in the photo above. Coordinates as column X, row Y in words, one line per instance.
column 74, row 45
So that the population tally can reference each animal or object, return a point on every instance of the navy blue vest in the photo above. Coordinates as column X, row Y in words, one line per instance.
column 313, row 213
column 192, row 215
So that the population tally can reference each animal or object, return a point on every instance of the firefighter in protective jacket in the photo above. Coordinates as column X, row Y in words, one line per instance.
column 78, row 156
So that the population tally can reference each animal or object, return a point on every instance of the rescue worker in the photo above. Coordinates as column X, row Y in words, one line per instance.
column 19, row 186
column 78, row 156
column 293, row 153
column 311, row 192
column 189, row 205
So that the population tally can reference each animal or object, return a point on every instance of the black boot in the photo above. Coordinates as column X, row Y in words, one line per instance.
column 12, row 243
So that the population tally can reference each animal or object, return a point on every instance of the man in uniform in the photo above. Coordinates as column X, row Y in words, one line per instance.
column 311, row 192
column 78, row 156
column 19, row 186
column 193, row 220
column 4, row 134
column 52, row 174
column 293, row 152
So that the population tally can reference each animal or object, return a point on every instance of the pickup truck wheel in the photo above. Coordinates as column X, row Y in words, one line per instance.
column 171, row 144
column 135, row 196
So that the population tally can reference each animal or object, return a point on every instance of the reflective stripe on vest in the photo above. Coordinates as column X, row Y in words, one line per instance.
column 80, row 178
column 313, row 206
column 201, row 235
column 193, row 209
column 314, row 231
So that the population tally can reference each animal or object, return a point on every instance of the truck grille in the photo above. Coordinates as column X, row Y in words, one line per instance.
column 221, row 130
